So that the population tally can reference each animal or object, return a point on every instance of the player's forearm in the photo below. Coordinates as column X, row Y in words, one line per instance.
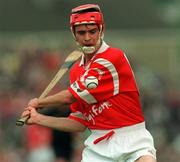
column 63, row 124
column 62, row 98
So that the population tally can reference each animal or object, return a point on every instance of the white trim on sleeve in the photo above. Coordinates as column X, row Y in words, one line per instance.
column 78, row 114
column 113, row 72
column 83, row 94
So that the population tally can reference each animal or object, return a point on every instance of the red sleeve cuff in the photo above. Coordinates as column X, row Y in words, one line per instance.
column 78, row 119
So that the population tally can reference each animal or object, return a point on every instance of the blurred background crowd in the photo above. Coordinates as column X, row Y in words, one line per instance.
column 34, row 41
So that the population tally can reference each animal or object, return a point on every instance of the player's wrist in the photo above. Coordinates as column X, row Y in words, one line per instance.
column 34, row 103
column 37, row 119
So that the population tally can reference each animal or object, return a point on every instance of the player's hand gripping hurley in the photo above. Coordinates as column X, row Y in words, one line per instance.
column 69, row 61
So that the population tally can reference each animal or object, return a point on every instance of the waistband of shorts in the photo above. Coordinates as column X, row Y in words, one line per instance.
column 125, row 129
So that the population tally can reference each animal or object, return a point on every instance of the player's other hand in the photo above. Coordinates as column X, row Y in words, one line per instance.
column 34, row 103
column 31, row 113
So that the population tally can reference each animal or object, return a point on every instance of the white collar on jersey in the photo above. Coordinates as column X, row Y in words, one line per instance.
column 103, row 48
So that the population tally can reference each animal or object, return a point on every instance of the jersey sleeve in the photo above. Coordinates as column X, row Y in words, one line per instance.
column 108, row 82
column 76, row 114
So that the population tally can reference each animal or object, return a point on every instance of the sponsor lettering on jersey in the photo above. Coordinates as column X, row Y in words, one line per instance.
column 96, row 111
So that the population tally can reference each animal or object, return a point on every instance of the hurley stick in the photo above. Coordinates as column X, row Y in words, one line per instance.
column 69, row 61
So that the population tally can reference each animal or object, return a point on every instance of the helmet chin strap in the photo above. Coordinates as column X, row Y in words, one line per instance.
column 90, row 49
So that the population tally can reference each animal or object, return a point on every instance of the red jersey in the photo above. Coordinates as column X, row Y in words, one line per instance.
column 114, row 103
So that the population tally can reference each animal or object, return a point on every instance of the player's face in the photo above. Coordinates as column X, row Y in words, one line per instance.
column 87, row 34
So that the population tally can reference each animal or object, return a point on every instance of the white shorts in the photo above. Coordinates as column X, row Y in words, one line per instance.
column 127, row 144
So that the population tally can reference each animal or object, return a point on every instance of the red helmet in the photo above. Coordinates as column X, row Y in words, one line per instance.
column 86, row 14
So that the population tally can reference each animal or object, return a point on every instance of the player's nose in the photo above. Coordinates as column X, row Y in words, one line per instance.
column 87, row 37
